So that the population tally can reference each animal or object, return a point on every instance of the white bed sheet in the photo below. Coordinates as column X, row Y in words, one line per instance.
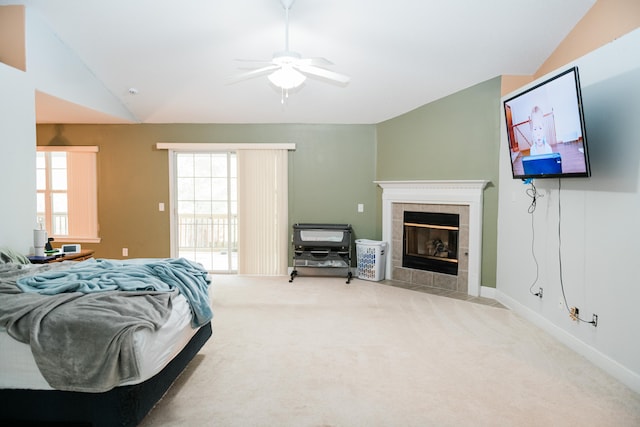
column 154, row 350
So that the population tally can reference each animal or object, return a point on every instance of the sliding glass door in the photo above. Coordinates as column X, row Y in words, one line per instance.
column 206, row 209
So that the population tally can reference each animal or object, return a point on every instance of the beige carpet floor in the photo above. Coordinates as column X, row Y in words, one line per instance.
column 319, row 352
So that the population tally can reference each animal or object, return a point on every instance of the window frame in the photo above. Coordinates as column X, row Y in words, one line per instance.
column 89, row 204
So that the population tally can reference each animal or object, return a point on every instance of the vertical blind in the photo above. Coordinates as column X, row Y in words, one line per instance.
column 262, row 212
column 83, row 197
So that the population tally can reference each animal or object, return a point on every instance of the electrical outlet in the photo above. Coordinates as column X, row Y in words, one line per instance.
column 594, row 320
column 125, row 251
column 539, row 293
column 574, row 313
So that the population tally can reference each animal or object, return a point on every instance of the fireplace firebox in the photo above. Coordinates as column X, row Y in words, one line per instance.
column 430, row 241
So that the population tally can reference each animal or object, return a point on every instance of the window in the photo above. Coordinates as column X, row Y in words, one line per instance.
column 66, row 191
column 206, row 214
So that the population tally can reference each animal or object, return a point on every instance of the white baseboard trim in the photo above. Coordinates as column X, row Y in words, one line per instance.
column 621, row 373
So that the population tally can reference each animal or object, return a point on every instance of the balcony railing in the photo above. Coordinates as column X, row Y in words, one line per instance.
column 59, row 224
column 208, row 231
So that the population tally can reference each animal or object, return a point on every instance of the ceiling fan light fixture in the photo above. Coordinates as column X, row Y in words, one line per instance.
column 289, row 70
column 287, row 77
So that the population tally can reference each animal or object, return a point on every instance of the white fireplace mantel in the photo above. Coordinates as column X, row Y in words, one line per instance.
column 452, row 192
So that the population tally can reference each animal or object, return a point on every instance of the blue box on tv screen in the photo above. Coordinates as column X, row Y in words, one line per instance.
column 542, row 164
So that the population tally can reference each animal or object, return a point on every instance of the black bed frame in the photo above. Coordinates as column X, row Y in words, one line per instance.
column 123, row 406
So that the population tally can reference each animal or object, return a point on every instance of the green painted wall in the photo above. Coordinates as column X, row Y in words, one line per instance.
column 456, row 137
column 331, row 171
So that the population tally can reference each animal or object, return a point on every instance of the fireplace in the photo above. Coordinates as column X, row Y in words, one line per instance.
column 430, row 241
column 461, row 197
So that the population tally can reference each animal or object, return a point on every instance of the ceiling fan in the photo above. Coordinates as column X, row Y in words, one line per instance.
column 288, row 69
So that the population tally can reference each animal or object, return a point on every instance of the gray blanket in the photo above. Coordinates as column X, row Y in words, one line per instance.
column 100, row 275
column 80, row 342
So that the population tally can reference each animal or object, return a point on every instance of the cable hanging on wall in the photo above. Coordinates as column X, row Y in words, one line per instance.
column 533, row 193
column 573, row 312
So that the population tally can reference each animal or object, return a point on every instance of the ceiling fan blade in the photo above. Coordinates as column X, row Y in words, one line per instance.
column 254, row 61
column 314, row 61
column 253, row 73
column 325, row 74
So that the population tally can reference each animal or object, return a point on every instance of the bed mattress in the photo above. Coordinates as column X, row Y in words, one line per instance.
column 154, row 350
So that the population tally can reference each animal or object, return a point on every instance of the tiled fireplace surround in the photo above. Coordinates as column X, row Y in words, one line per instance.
column 459, row 197
column 450, row 282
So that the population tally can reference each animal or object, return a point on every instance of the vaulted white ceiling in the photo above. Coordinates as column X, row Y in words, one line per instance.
column 400, row 54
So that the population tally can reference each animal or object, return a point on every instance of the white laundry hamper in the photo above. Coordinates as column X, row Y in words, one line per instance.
column 371, row 258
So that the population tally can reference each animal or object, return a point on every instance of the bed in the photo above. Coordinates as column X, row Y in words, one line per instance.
column 138, row 324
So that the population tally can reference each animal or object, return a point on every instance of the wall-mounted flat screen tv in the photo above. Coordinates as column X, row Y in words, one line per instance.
column 545, row 129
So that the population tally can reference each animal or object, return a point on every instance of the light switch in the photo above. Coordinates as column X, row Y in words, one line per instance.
column 360, row 207
column 161, row 207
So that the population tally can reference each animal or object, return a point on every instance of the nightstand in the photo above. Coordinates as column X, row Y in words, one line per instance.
column 79, row 256
column 59, row 257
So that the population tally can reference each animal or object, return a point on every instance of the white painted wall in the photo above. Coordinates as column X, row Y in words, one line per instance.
column 58, row 71
column 17, row 162
column 600, row 227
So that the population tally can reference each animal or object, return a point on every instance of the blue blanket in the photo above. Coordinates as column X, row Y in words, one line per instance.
column 100, row 275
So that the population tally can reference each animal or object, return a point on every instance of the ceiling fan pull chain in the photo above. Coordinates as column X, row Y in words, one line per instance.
column 284, row 95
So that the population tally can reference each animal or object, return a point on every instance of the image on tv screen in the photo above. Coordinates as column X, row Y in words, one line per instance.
column 545, row 129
